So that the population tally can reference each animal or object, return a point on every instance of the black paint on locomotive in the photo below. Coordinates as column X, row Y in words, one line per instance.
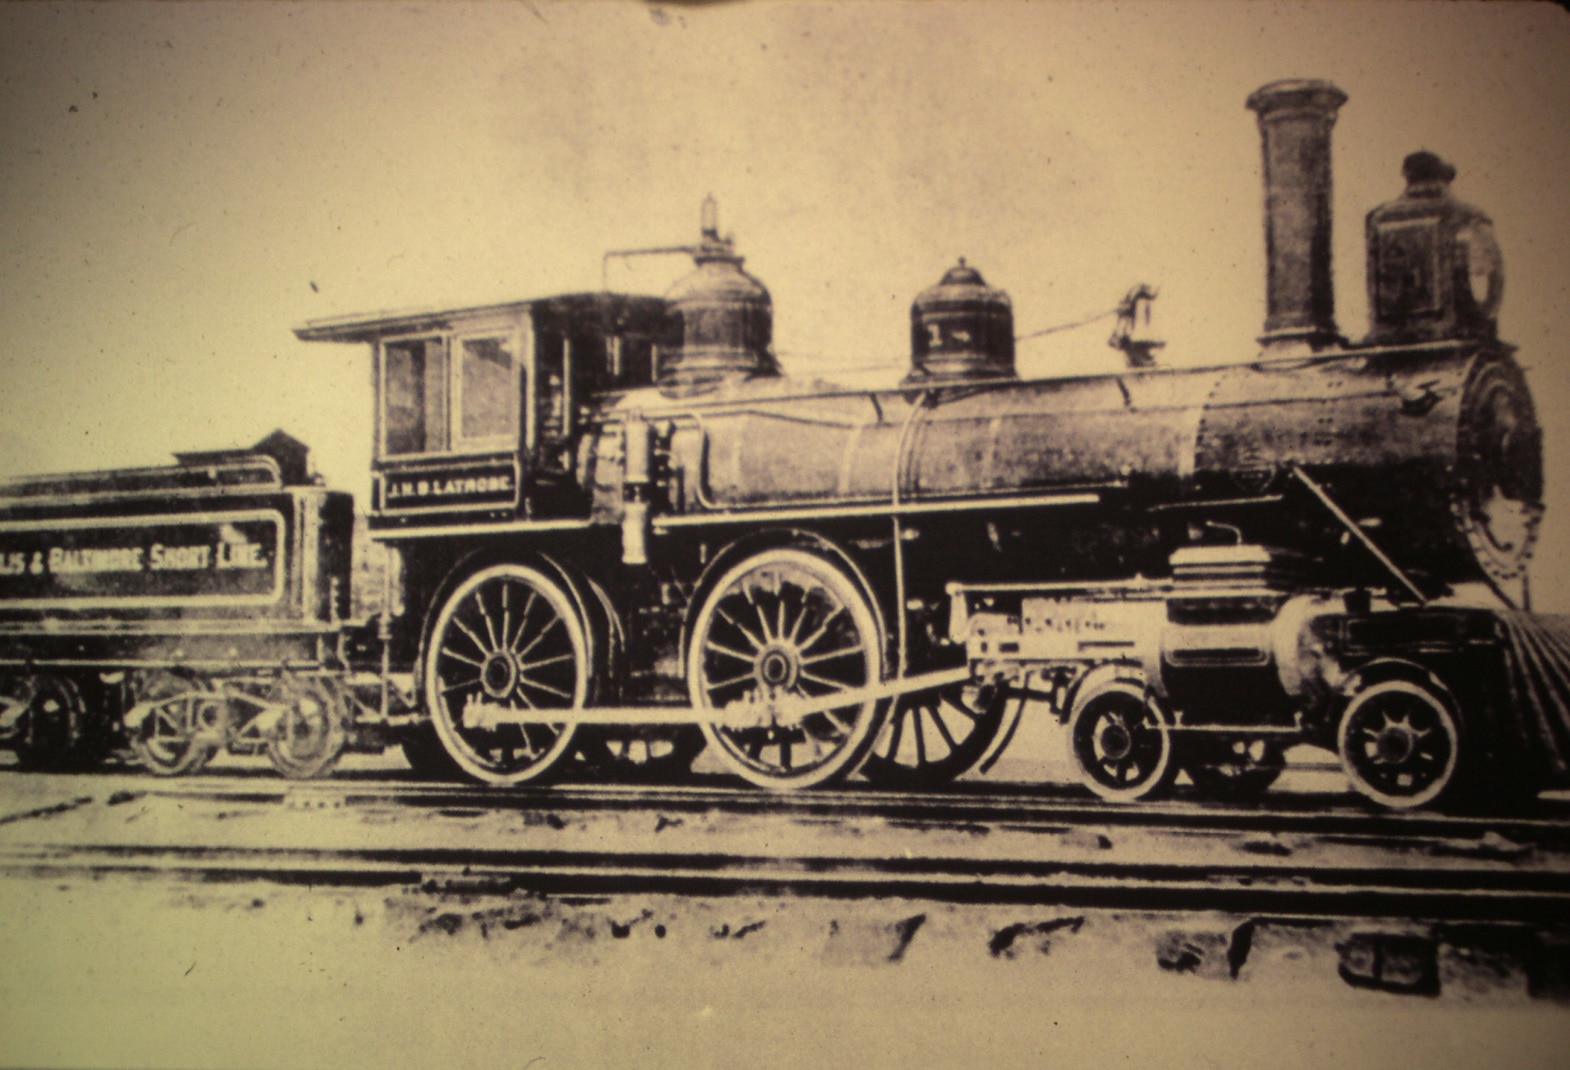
column 613, row 501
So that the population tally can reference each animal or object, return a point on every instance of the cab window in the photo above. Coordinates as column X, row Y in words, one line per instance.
column 414, row 418
column 621, row 362
column 487, row 383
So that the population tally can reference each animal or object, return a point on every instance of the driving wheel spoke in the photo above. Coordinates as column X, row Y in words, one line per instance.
column 966, row 721
column 534, row 663
column 936, row 713
column 792, row 602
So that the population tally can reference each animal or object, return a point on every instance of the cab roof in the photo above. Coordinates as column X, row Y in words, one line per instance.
column 608, row 311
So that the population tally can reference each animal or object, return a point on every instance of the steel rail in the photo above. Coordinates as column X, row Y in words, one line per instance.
column 1442, row 894
column 1051, row 808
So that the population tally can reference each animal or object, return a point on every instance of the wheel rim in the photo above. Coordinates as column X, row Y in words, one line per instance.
column 1399, row 744
column 934, row 736
column 787, row 622
column 311, row 735
column 186, row 725
column 1118, row 743
column 510, row 638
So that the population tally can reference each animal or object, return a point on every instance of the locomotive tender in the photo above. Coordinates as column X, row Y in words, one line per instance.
column 615, row 531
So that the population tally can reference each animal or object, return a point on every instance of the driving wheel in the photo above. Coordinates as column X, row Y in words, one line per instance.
column 787, row 623
column 508, row 646
column 931, row 737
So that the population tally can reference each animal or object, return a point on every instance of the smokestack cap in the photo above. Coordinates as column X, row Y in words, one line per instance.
column 1296, row 95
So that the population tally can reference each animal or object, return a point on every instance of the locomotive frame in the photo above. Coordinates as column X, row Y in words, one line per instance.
column 615, row 531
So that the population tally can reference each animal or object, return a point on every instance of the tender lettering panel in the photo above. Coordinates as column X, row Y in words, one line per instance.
column 207, row 559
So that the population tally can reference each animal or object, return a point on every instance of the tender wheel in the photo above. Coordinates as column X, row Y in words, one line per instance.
column 1400, row 743
column 1235, row 770
column 1118, row 741
column 311, row 735
column 177, row 722
column 931, row 737
column 787, row 622
column 641, row 753
column 509, row 640
column 47, row 720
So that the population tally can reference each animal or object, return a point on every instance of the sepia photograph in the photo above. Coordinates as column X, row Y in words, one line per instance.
column 784, row 534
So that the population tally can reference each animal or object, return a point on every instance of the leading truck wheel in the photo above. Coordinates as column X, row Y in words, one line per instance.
column 1400, row 743
column 1119, row 741
column 509, row 645
column 787, row 623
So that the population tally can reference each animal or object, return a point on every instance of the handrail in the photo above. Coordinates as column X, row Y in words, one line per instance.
column 900, row 457
column 1358, row 533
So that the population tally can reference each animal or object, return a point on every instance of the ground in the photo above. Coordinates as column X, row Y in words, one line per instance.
column 127, row 970
column 144, row 971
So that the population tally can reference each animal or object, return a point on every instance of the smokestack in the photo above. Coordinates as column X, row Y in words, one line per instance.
column 1295, row 120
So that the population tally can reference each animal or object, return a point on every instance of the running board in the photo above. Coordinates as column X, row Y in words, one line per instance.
column 786, row 709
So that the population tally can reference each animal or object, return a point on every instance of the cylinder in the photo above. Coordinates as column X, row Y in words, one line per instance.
column 1295, row 121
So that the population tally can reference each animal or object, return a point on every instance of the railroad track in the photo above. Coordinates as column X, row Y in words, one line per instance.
column 1451, row 895
column 1043, row 807
column 985, row 844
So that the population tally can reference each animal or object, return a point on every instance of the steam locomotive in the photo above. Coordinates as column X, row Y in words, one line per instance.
column 615, row 533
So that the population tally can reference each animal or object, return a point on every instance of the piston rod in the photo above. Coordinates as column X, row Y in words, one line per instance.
column 784, row 708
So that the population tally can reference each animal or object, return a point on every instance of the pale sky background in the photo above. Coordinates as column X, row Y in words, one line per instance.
column 182, row 184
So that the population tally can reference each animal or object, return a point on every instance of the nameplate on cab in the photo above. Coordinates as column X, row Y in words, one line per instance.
column 449, row 488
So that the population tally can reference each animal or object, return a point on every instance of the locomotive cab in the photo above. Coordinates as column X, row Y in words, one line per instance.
column 478, row 410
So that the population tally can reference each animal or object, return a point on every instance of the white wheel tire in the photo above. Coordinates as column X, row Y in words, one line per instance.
column 830, row 578
column 440, row 661
column 1131, row 694
column 1444, row 721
